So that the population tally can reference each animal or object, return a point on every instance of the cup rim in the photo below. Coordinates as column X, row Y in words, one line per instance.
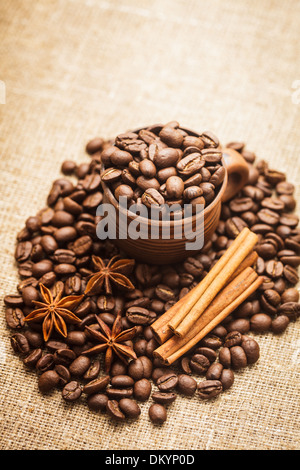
column 162, row 223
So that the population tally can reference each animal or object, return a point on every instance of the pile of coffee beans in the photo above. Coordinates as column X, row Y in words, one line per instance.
column 163, row 165
column 56, row 246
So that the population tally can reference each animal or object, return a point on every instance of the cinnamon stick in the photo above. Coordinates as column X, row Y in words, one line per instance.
column 217, row 283
column 160, row 328
column 163, row 326
column 227, row 301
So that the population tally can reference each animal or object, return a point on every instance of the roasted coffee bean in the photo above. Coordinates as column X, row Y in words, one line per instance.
column 14, row 317
column 242, row 204
column 33, row 357
column 211, row 341
column 274, row 268
column 234, row 338
column 140, row 316
column 214, row 371
column 280, row 324
column 13, row 301
column 190, row 164
column 142, row 389
column 23, row 251
column 218, row 176
column 164, row 398
column 252, row 351
column 97, row 402
column 209, row 388
column 170, row 136
column 290, row 274
column 186, row 385
column 260, row 322
column 64, row 374
column 124, row 191
column 157, row 413
column 191, row 192
column 130, row 408
column 93, row 371
column 241, row 325
column 167, row 382
column 20, row 343
column 45, row 363
column 227, row 378
column 113, row 410
column 290, row 295
column 72, row 391
column 48, row 381
column 94, row 145
column 80, row 365
column 199, row 363
column 122, row 381
column 174, row 187
column 289, row 309
column 152, row 197
column 111, row 175
column 140, row 368
column 64, row 356
column 96, row 385
column 166, row 157
column 238, row 357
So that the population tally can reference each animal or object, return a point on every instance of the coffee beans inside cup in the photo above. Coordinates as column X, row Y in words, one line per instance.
column 163, row 164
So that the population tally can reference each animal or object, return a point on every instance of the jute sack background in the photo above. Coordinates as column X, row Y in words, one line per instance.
column 73, row 69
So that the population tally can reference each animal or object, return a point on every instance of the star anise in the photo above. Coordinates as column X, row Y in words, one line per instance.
column 113, row 341
column 55, row 312
column 114, row 272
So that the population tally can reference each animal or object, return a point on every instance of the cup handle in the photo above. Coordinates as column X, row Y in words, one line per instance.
column 237, row 170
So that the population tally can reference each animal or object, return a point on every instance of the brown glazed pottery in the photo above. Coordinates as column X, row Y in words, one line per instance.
column 173, row 250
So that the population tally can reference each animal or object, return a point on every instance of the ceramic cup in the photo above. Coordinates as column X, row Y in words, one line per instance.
column 173, row 250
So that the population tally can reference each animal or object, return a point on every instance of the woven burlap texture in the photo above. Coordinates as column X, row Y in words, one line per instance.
column 73, row 69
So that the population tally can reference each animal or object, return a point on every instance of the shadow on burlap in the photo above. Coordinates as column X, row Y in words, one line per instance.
column 76, row 69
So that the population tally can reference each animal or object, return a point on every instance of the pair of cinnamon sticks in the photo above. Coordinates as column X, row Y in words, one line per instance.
column 229, row 283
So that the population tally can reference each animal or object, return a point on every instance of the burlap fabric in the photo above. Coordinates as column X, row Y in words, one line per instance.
column 75, row 69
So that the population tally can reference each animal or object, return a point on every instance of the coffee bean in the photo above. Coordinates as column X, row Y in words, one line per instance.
column 190, row 164
column 199, row 363
column 260, row 322
column 167, row 382
column 20, row 343
column 142, row 389
column 279, row 324
column 122, row 381
column 174, row 187
column 130, row 408
column 48, row 381
column 97, row 402
column 113, row 410
column 164, row 398
column 152, row 197
column 80, row 365
column 140, row 368
column 209, row 388
column 251, row 349
column 227, row 378
column 72, row 391
column 157, row 413
column 186, row 385
column 14, row 317
column 96, row 385
column 289, row 309
column 290, row 274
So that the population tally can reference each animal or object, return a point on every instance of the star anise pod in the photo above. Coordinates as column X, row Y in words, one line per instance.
column 55, row 312
column 113, row 341
column 114, row 272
